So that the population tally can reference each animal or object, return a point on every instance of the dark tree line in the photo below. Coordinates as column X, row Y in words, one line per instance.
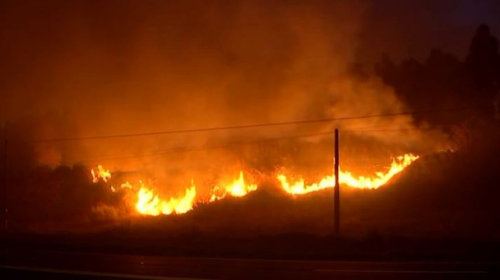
column 445, row 81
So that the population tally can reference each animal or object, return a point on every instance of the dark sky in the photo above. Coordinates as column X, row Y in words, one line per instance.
column 411, row 28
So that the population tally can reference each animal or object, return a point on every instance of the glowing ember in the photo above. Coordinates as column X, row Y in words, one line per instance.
column 346, row 178
column 100, row 173
column 125, row 185
column 238, row 188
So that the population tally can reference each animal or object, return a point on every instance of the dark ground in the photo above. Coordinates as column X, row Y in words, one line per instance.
column 64, row 265
column 285, row 246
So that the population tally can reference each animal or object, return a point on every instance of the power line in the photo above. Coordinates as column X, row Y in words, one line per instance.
column 232, row 144
column 433, row 111
column 395, row 129
column 201, row 148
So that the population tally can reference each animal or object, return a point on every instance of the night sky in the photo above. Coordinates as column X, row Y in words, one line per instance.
column 411, row 28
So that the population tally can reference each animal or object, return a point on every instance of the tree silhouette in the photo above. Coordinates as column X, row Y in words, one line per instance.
column 443, row 80
column 483, row 63
column 386, row 69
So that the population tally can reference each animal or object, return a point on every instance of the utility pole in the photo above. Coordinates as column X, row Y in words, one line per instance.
column 6, row 209
column 336, row 196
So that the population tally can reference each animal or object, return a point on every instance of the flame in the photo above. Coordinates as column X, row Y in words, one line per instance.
column 100, row 173
column 125, row 185
column 238, row 188
column 149, row 203
column 147, row 200
column 346, row 178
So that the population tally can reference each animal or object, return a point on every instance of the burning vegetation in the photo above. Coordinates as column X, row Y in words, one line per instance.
column 147, row 201
column 183, row 78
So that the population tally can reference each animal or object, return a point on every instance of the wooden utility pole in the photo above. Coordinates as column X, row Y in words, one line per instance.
column 336, row 196
column 6, row 209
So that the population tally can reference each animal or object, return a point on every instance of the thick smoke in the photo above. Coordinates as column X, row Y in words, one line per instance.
column 92, row 68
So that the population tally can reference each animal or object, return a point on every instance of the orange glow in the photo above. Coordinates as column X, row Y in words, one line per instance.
column 149, row 203
column 346, row 178
column 238, row 188
column 100, row 173
column 125, row 185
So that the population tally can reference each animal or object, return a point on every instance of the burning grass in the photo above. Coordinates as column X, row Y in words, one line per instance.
column 148, row 202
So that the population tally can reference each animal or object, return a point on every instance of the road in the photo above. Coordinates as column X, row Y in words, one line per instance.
column 22, row 264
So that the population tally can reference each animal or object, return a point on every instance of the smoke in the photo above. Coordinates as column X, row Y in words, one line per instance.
column 385, row 119
column 92, row 68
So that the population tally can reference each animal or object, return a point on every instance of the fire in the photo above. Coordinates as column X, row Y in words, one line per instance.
column 149, row 203
column 238, row 188
column 125, row 185
column 346, row 178
column 100, row 173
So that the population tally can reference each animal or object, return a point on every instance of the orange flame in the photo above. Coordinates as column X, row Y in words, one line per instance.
column 346, row 178
column 125, row 185
column 100, row 173
column 238, row 188
column 150, row 204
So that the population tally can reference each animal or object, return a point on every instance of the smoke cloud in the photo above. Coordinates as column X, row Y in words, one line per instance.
column 92, row 68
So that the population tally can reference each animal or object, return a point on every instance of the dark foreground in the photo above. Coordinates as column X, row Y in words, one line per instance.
column 26, row 264
column 285, row 246
column 146, row 255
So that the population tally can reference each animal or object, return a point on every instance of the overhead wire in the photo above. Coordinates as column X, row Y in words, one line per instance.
column 356, row 130
column 243, row 143
column 247, row 126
